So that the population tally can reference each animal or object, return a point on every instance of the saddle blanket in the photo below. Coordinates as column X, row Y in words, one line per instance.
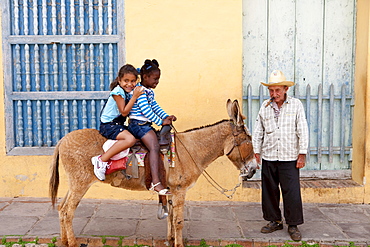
column 168, row 157
column 136, row 156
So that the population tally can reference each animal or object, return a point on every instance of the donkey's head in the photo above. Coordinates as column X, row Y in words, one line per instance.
column 239, row 147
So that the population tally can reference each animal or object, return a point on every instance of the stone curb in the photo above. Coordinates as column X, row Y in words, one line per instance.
column 151, row 242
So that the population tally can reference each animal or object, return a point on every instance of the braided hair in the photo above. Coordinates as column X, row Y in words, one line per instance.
column 125, row 69
column 149, row 67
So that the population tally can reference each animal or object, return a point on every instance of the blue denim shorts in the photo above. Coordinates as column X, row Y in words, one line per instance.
column 139, row 128
column 111, row 130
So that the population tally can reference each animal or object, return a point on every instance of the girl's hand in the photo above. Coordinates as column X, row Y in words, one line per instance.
column 139, row 90
column 167, row 121
column 173, row 118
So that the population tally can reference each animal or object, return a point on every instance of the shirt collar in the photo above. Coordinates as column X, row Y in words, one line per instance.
column 288, row 99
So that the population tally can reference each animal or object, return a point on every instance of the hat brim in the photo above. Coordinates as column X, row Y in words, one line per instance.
column 281, row 83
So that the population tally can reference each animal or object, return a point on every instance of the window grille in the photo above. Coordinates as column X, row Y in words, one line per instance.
column 59, row 59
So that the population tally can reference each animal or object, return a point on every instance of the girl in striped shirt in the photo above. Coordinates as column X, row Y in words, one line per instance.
column 146, row 111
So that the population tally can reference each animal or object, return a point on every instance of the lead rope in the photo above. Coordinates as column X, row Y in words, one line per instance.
column 208, row 177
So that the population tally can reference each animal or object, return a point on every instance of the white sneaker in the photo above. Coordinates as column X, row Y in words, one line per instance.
column 99, row 167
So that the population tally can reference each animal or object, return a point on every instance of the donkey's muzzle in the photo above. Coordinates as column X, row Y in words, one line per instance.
column 248, row 170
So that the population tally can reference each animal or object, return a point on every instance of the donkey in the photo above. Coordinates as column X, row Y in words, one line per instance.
column 195, row 150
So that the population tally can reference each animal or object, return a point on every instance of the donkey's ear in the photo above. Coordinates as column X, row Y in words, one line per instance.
column 232, row 110
column 228, row 107
column 238, row 116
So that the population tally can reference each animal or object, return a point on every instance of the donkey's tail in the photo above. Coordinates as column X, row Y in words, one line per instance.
column 54, row 175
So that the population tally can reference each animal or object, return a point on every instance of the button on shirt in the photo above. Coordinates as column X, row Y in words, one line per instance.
column 282, row 135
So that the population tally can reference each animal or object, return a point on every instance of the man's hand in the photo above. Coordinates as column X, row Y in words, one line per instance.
column 258, row 158
column 301, row 162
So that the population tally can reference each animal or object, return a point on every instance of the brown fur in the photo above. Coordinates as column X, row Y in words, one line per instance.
column 196, row 149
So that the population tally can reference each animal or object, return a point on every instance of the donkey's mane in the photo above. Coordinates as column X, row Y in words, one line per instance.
column 210, row 125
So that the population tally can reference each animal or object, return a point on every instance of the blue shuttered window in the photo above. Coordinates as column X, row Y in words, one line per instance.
column 59, row 59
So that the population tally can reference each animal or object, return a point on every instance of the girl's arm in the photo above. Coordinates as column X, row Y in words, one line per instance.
column 120, row 101
column 139, row 90
column 122, row 107
column 147, row 110
column 158, row 110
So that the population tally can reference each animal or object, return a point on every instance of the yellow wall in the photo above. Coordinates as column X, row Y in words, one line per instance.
column 361, row 146
column 360, row 90
column 366, row 73
column 199, row 48
column 198, row 44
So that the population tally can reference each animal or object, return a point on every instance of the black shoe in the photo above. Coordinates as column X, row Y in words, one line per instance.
column 271, row 227
column 294, row 233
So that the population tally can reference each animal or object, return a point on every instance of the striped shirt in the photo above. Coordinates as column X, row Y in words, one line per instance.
column 147, row 109
column 281, row 137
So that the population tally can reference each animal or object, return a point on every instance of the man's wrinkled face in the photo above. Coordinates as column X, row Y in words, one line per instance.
column 277, row 93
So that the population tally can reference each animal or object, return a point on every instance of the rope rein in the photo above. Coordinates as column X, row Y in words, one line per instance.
column 208, row 177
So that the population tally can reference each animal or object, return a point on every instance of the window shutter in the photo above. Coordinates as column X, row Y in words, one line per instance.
column 60, row 57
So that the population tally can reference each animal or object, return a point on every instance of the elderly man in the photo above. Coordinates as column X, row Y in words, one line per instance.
column 280, row 138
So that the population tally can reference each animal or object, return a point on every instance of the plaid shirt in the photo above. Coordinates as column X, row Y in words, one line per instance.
column 281, row 137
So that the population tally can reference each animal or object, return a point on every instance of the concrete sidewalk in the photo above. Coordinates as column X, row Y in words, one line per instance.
column 219, row 223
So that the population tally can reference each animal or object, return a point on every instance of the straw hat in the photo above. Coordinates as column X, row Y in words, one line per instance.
column 277, row 78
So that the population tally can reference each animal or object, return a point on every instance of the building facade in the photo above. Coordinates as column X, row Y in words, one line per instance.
column 59, row 56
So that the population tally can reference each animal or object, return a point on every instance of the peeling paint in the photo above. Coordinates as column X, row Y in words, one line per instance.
column 21, row 177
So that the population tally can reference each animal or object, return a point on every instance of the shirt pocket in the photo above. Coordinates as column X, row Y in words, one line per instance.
column 290, row 118
column 270, row 125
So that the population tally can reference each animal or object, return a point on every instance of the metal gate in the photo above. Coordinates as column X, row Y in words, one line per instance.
column 59, row 59
column 312, row 42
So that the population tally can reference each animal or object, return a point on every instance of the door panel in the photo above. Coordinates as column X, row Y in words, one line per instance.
column 312, row 42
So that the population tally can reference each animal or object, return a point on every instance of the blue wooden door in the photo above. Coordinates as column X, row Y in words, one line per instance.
column 312, row 42
column 61, row 57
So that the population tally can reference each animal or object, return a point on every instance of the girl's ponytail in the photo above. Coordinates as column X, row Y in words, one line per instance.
column 113, row 84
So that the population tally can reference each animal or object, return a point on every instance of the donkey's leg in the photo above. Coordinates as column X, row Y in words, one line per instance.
column 178, row 201
column 63, row 232
column 67, row 212
column 170, row 228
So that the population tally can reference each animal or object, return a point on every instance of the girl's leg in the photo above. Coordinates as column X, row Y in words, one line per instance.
column 124, row 140
column 151, row 142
